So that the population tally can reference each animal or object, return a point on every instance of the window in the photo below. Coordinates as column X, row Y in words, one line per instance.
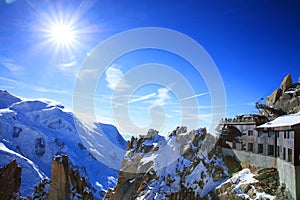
column 283, row 153
column 260, row 133
column 250, row 132
column 284, row 135
column 278, row 151
column 290, row 153
column 260, row 148
column 291, row 134
column 281, row 134
column 270, row 134
column 243, row 146
column 250, row 146
column 270, row 150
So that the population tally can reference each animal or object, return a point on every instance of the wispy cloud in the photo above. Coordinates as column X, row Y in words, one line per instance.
column 142, row 98
column 195, row 96
column 8, row 80
column 67, row 65
column 15, row 83
column 114, row 77
column 42, row 89
column 14, row 68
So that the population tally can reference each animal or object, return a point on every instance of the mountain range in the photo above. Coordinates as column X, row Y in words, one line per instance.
column 34, row 131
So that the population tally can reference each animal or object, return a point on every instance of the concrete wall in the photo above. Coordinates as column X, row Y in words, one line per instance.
column 252, row 159
column 297, row 169
column 288, row 173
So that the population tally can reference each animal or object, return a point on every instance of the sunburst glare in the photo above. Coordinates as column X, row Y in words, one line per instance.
column 62, row 34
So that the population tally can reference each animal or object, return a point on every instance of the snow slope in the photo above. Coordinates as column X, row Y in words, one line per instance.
column 7, row 99
column 30, row 172
column 33, row 131
column 242, row 178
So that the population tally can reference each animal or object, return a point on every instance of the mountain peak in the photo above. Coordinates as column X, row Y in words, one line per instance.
column 6, row 99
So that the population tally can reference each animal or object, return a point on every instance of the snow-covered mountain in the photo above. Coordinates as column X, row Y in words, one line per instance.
column 33, row 131
column 185, row 165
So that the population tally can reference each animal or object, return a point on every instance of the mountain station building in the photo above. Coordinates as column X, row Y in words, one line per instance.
column 274, row 144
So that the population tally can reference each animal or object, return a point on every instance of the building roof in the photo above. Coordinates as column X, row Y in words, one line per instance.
column 286, row 120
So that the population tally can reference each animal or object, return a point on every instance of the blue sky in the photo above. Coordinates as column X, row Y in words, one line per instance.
column 254, row 44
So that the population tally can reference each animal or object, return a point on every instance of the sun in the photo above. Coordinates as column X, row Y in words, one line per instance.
column 62, row 34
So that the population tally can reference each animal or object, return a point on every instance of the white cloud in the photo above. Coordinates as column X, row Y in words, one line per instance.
column 87, row 74
column 142, row 98
column 114, row 78
column 162, row 96
column 194, row 96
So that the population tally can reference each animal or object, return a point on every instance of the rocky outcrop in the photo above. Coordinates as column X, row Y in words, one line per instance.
column 10, row 180
column 286, row 83
column 257, row 183
column 60, row 178
column 271, row 100
column 65, row 183
column 283, row 192
column 41, row 191
column 286, row 98
column 183, row 166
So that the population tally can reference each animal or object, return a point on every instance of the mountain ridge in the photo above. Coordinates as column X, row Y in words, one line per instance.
column 34, row 131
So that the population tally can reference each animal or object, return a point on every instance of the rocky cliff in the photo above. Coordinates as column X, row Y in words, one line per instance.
column 65, row 184
column 181, row 166
column 253, row 183
column 60, row 178
column 10, row 180
column 286, row 97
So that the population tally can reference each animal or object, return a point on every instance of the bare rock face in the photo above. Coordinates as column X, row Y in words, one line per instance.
column 65, row 183
column 286, row 83
column 79, row 186
column 60, row 183
column 273, row 97
column 287, row 97
column 10, row 180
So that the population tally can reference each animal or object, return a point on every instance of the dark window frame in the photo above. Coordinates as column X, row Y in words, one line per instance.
column 243, row 146
column 260, row 148
column 260, row 134
column 271, row 151
column 278, row 151
column 271, row 134
column 250, row 146
column 290, row 155
column 250, row 133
